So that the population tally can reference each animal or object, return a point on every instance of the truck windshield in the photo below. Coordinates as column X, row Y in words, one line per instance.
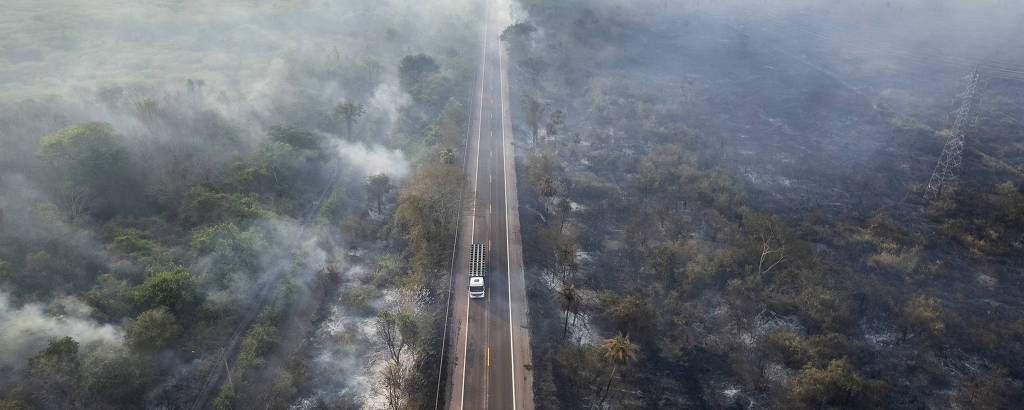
column 476, row 288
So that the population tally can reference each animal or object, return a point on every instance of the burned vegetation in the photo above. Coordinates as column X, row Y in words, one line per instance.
column 726, row 207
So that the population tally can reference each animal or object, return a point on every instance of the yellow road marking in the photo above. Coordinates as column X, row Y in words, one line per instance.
column 488, row 357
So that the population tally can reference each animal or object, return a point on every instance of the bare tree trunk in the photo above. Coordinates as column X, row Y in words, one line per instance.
column 609, row 385
column 565, row 328
column 768, row 250
column 393, row 380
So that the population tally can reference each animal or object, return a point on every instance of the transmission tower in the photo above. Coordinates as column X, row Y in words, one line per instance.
column 948, row 167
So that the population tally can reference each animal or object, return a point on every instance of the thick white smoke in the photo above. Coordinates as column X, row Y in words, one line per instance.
column 26, row 330
column 388, row 98
column 374, row 159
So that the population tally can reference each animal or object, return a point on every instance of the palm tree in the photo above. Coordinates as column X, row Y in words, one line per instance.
column 377, row 187
column 569, row 300
column 565, row 257
column 349, row 112
column 620, row 352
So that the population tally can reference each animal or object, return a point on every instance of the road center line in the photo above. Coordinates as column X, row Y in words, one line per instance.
column 476, row 172
column 508, row 248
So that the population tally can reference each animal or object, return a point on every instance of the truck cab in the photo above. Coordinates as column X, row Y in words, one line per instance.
column 476, row 287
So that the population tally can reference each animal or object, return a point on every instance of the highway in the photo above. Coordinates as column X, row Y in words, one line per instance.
column 490, row 348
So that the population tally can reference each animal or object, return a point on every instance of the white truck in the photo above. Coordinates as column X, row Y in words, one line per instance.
column 477, row 269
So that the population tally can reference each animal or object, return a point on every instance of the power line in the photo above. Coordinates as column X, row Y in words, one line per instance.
column 951, row 159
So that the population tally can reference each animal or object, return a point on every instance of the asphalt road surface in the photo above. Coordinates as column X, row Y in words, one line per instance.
column 490, row 340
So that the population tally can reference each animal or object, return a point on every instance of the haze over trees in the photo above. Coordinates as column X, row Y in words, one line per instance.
column 240, row 205
column 187, row 227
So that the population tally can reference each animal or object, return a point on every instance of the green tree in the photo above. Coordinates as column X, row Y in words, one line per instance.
column 56, row 373
column 838, row 385
column 447, row 156
column 16, row 399
column 534, row 68
column 517, row 31
column 663, row 262
column 632, row 313
column 425, row 218
column 174, row 288
column 994, row 390
column 826, row 347
column 354, row 227
column 82, row 147
column 276, row 173
column 148, row 111
column 618, row 351
column 534, row 112
column 349, row 112
column 1010, row 202
column 116, row 381
column 14, row 404
column 452, row 123
column 203, row 206
column 90, row 165
column 922, row 315
column 153, row 330
column 408, row 325
column 259, row 340
column 247, row 207
column 544, row 171
column 517, row 36
column 296, row 137
column 111, row 297
column 432, row 90
column 228, row 396
column 377, row 187
column 412, row 69
column 294, row 378
column 787, row 347
column 827, row 308
column 137, row 245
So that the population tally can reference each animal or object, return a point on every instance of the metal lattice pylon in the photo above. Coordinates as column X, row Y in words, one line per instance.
column 948, row 168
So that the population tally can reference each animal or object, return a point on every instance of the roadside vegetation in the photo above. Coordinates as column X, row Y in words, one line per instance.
column 184, row 245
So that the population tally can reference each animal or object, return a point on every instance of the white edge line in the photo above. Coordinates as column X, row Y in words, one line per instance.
column 476, row 176
column 451, row 276
column 508, row 233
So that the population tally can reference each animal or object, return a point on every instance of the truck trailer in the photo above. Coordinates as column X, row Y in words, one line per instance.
column 477, row 270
